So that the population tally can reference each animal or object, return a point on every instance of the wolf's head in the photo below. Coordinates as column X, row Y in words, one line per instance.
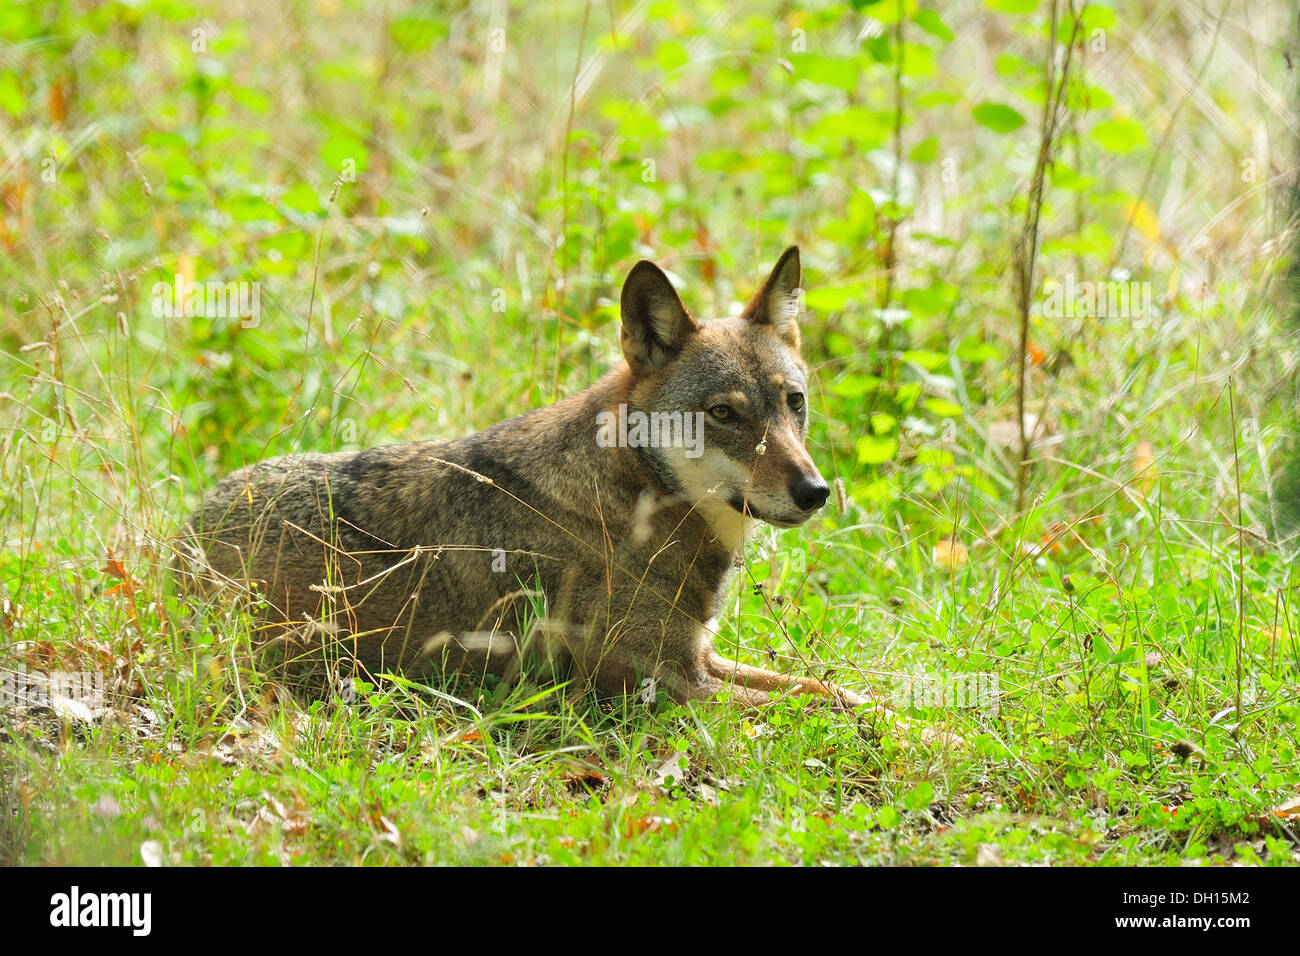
column 739, row 389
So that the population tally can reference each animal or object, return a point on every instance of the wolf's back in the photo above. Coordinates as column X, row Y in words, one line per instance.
column 397, row 540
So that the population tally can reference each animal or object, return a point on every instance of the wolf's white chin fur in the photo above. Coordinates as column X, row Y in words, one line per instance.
column 731, row 527
column 707, row 484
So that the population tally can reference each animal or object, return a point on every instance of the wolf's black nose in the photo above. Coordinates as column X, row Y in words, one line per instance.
column 809, row 493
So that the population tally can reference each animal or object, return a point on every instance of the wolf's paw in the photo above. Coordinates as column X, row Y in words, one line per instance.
column 849, row 698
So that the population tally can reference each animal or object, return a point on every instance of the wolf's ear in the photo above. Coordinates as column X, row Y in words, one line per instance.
column 655, row 323
column 778, row 302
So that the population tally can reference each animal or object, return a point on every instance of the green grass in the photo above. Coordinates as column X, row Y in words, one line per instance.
column 1139, row 613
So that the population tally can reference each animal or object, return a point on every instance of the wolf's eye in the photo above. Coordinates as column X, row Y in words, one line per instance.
column 722, row 412
column 795, row 402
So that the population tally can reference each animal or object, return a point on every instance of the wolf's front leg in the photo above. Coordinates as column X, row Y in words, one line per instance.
column 765, row 682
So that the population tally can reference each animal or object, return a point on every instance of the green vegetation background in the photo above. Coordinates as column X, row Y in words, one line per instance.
column 439, row 201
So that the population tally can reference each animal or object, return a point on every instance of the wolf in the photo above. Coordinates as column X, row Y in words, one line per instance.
column 597, row 534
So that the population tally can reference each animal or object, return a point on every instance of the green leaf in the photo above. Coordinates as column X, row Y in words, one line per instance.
column 944, row 408
column 631, row 119
column 932, row 98
column 253, row 99
column 11, row 94
column 907, row 394
column 1012, row 6
column 855, row 386
column 344, row 153
column 829, row 71
column 881, row 49
column 670, row 56
column 1008, row 64
column 974, row 352
column 926, row 151
column 930, row 22
column 1097, row 18
column 1090, row 98
column 867, row 129
column 937, row 298
column 918, row 60
column 876, row 451
column 1119, row 135
column 303, row 198
column 1124, row 656
column 833, row 298
column 1063, row 177
column 927, row 360
column 1132, row 759
column 998, row 117
column 919, row 797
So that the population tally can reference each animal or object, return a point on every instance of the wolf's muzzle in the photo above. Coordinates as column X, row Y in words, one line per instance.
column 810, row 492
